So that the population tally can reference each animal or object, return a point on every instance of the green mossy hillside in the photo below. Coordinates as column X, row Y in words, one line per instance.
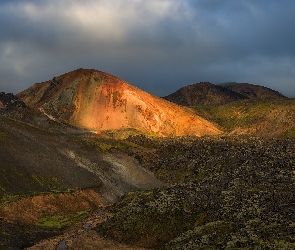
column 222, row 193
column 261, row 117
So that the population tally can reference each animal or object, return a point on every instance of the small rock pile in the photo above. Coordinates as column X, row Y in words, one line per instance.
column 9, row 100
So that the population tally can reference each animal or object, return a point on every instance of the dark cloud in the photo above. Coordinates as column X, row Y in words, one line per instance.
column 158, row 46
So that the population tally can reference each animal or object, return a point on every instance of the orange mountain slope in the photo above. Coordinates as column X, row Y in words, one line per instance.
column 99, row 101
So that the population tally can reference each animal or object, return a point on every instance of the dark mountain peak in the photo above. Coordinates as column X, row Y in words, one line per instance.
column 203, row 84
column 253, row 91
column 206, row 93
column 203, row 93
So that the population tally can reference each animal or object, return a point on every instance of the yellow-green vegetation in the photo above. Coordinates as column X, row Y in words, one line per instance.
column 52, row 182
column 212, row 235
column 158, row 214
column 264, row 114
column 7, row 197
column 104, row 144
column 121, row 133
column 60, row 221
column 21, row 236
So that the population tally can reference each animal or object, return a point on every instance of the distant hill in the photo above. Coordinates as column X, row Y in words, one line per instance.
column 252, row 91
column 99, row 101
column 205, row 93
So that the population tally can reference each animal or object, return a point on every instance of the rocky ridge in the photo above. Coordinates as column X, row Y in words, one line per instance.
column 252, row 91
column 9, row 101
column 205, row 93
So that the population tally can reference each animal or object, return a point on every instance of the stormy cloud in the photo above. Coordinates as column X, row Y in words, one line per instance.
column 157, row 45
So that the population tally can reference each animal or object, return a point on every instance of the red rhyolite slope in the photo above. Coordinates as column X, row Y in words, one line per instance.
column 99, row 101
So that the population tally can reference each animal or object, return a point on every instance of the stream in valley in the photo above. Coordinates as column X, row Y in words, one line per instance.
column 86, row 226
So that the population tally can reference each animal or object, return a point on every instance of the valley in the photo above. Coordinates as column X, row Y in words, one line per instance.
column 215, row 174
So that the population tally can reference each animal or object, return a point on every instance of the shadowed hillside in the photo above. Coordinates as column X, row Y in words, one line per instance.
column 50, row 178
column 99, row 101
column 205, row 93
column 252, row 91
column 35, row 160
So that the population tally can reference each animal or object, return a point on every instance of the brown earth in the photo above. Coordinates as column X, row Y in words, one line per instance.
column 58, row 204
column 99, row 101
column 30, row 209
column 33, row 160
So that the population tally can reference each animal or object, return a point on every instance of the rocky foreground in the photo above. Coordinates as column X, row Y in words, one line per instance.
column 217, row 193
column 76, row 144
column 224, row 193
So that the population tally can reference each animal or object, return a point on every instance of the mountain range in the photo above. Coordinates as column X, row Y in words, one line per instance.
column 88, row 160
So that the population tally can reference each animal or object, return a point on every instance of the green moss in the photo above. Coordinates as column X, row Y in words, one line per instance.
column 246, row 113
column 155, row 215
column 50, row 181
column 212, row 235
column 7, row 197
column 60, row 221
column 105, row 144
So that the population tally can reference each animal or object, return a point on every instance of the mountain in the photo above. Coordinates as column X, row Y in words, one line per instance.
column 67, row 179
column 205, row 93
column 252, row 91
column 99, row 101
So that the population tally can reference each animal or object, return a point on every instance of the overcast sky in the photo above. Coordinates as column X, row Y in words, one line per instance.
column 156, row 45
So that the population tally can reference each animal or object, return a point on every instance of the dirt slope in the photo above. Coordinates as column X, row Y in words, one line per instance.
column 99, row 101
column 33, row 160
